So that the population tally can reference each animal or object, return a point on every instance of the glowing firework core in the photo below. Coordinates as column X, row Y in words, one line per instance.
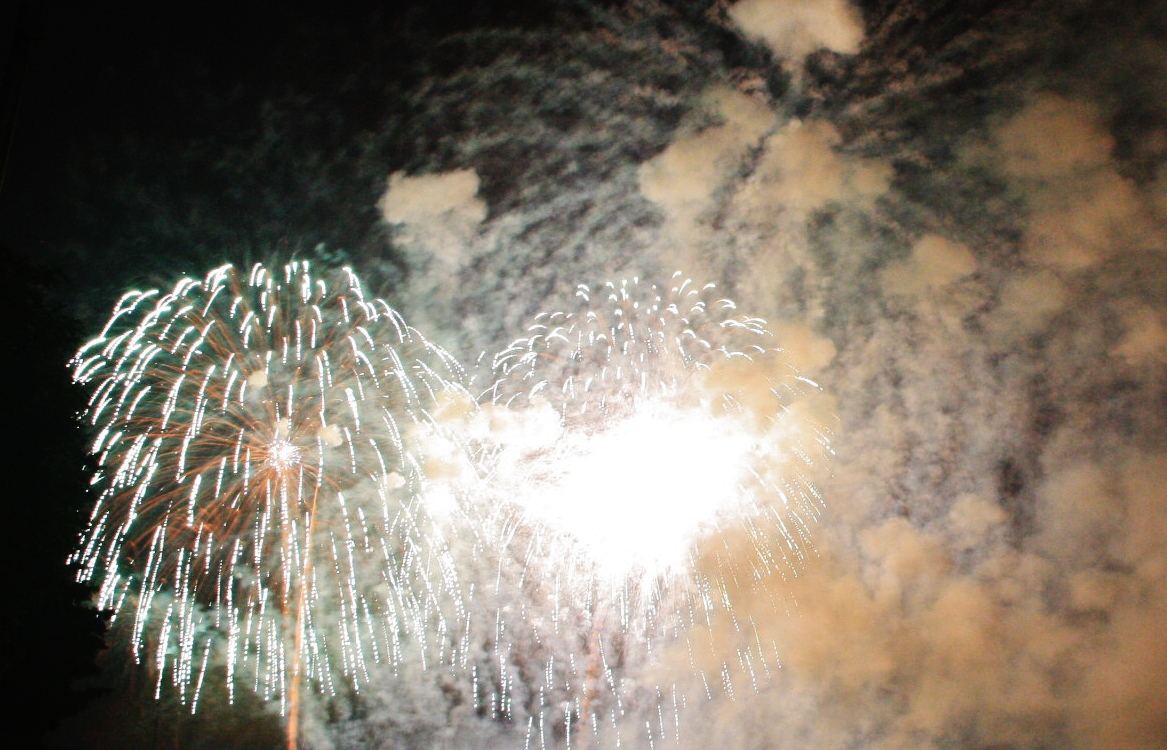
column 282, row 455
column 637, row 494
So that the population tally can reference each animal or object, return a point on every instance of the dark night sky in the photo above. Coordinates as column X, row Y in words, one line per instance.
column 108, row 89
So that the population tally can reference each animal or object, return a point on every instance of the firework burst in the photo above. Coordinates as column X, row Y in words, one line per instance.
column 657, row 452
column 256, row 438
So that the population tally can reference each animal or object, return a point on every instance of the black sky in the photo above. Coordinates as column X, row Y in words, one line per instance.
column 112, row 93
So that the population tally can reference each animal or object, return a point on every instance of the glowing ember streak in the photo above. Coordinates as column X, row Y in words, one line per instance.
column 259, row 481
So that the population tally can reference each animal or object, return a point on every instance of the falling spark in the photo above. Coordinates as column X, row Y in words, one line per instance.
column 260, row 482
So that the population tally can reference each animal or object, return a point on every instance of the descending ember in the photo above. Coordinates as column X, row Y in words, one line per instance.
column 260, row 482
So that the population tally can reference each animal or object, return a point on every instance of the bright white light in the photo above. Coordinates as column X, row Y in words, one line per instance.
column 636, row 495
column 652, row 435
column 282, row 455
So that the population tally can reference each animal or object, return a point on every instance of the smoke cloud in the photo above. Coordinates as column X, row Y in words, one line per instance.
column 792, row 29
column 954, row 222
column 990, row 566
column 438, row 213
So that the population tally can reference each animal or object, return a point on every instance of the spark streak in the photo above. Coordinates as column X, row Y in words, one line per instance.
column 260, row 481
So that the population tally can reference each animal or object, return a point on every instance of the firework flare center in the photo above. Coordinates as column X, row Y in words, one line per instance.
column 646, row 420
column 637, row 494
column 282, row 455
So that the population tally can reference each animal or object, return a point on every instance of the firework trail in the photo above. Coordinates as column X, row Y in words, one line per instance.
column 260, row 482
column 657, row 454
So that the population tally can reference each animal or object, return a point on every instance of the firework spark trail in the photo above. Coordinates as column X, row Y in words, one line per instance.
column 658, row 457
column 260, row 481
